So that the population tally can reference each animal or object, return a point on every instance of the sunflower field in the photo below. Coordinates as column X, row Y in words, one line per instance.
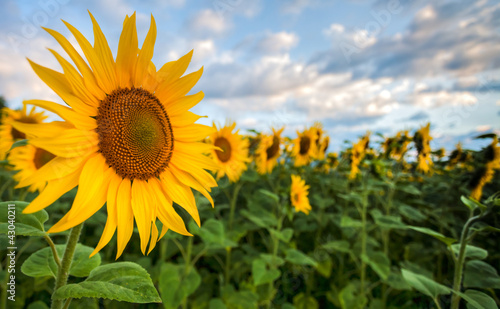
column 98, row 208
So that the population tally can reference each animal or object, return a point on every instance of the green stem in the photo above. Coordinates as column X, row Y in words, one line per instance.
column 22, row 195
column 275, row 246
column 232, row 205
column 189, row 251
column 63, row 271
column 436, row 301
column 54, row 251
column 363, row 246
column 459, row 266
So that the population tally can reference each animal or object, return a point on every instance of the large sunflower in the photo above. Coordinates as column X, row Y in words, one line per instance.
column 128, row 139
column 268, row 151
column 231, row 157
column 304, row 147
column 8, row 134
column 26, row 160
column 298, row 195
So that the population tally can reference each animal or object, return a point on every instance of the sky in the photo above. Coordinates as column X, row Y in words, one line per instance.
column 355, row 66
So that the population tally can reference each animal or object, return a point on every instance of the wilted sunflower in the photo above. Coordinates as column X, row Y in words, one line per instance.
column 9, row 134
column 268, row 151
column 232, row 155
column 298, row 195
column 422, row 140
column 26, row 160
column 358, row 152
column 304, row 147
column 128, row 139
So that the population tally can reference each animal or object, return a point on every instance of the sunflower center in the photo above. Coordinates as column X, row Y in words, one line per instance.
column 42, row 157
column 18, row 134
column 223, row 144
column 274, row 148
column 135, row 134
column 305, row 144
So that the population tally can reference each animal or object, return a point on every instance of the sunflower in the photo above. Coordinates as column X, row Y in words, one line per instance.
column 127, row 139
column 322, row 140
column 304, row 147
column 422, row 142
column 485, row 174
column 298, row 195
column 268, row 151
column 231, row 157
column 26, row 160
column 8, row 134
column 358, row 152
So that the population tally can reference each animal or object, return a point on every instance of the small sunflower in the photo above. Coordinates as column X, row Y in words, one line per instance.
column 304, row 147
column 268, row 151
column 358, row 152
column 9, row 134
column 298, row 195
column 26, row 160
column 127, row 139
column 422, row 140
column 322, row 140
column 231, row 157
column 485, row 174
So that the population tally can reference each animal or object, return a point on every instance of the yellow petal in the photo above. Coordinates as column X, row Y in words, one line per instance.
column 69, row 143
column 126, row 56
column 93, row 59
column 172, row 70
column 124, row 216
column 57, row 82
column 141, row 208
column 189, row 181
column 184, row 104
column 145, row 55
column 54, row 190
column 180, row 193
column 184, row 155
column 88, row 76
column 166, row 213
column 192, row 133
column 50, row 129
column 154, row 237
column 78, row 120
column 103, row 53
column 110, row 228
column 167, row 93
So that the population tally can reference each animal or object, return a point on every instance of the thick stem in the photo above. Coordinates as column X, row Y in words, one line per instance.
column 459, row 266
column 63, row 271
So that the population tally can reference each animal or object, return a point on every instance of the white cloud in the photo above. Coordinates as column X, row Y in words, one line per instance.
column 277, row 42
column 207, row 22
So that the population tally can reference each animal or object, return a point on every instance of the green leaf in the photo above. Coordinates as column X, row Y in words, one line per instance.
column 269, row 194
column 262, row 274
column 270, row 260
column 387, row 222
column 350, row 222
column 410, row 189
column 471, row 252
column 42, row 263
column 302, row 301
column 411, row 213
column 448, row 241
column 262, row 218
column 396, row 281
column 478, row 300
column 296, row 257
column 38, row 305
column 19, row 143
column 213, row 235
column 25, row 224
column 284, row 235
column 239, row 299
column 337, row 245
column 324, row 267
column 350, row 300
column 216, row 303
column 424, row 285
column 479, row 274
column 472, row 204
column 379, row 263
column 175, row 285
column 121, row 281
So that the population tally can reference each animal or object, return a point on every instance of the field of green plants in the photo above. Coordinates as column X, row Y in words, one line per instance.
column 391, row 224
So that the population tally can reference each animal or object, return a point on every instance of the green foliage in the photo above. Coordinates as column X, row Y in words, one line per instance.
column 25, row 224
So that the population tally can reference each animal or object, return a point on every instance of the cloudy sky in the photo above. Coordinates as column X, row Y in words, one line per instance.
column 380, row 65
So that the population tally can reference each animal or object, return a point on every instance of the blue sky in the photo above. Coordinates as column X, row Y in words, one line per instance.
column 380, row 65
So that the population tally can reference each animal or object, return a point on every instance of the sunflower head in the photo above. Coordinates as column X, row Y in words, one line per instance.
column 268, row 151
column 304, row 147
column 422, row 140
column 27, row 160
column 128, row 139
column 299, row 192
column 231, row 152
column 8, row 133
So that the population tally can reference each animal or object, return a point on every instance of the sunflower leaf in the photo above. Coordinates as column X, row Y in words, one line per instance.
column 42, row 263
column 425, row 285
column 19, row 143
column 121, row 281
column 25, row 224
column 176, row 284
